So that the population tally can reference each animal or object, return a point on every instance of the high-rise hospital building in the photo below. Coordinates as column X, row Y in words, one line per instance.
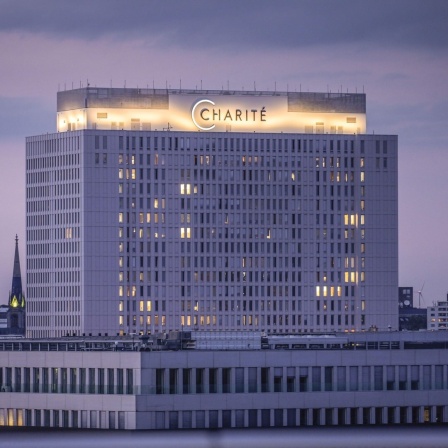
column 153, row 209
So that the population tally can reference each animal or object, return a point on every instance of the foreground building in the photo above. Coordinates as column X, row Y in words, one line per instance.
column 156, row 210
column 345, row 379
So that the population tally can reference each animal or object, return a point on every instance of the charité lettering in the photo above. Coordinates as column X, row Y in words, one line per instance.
column 208, row 115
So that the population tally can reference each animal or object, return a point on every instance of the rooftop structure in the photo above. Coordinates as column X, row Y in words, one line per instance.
column 211, row 110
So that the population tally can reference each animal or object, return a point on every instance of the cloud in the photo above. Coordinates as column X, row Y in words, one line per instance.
column 235, row 25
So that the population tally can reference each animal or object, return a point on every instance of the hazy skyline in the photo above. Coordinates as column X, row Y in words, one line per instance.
column 397, row 52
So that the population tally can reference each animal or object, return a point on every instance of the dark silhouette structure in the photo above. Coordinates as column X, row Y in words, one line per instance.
column 12, row 315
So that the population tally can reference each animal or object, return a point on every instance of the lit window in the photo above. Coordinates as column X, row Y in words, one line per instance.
column 120, row 217
column 362, row 176
column 148, row 306
column 185, row 232
column 317, row 291
column 185, row 188
column 121, row 305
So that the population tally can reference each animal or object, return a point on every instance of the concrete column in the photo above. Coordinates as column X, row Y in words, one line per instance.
column 384, row 415
column 106, row 384
column 335, row 416
column 322, row 417
column 193, row 381
column 396, row 414
column 309, row 416
column 219, row 381
column 246, row 379
column 232, row 381
column 433, row 413
column 271, row 380
column 206, row 378
column 359, row 416
column 166, row 384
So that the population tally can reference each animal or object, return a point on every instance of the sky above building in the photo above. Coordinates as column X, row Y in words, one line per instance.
column 394, row 51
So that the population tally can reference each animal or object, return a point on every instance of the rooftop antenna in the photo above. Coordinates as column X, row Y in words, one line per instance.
column 180, row 84
column 275, row 86
column 228, row 88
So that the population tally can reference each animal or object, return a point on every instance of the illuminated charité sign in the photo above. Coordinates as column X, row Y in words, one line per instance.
column 205, row 115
